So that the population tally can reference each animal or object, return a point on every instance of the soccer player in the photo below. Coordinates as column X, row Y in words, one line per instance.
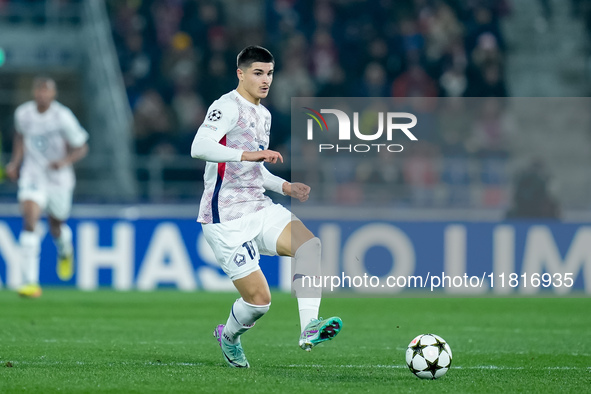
column 48, row 140
column 239, row 222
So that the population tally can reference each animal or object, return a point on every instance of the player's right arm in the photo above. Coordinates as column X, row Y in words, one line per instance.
column 12, row 168
column 18, row 146
column 268, row 156
column 207, row 144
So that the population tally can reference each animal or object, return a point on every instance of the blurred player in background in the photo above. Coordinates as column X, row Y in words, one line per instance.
column 240, row 222
column 48, row 140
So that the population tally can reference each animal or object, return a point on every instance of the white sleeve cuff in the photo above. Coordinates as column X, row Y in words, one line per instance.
column 272, row 182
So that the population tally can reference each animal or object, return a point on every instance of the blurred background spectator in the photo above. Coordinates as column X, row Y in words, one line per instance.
column 532, row 197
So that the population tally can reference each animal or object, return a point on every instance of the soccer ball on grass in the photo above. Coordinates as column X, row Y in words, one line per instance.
column 428, row 356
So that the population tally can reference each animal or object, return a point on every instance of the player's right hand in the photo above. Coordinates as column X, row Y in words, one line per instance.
column 12, row 171
column 268, row 156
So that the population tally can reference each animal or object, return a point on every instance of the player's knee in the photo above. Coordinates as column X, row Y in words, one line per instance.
column 262, row 299
column 257, row 297
column 29, row 225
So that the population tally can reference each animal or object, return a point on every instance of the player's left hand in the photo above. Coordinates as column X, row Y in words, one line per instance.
column 297, row 190
column 56, row 165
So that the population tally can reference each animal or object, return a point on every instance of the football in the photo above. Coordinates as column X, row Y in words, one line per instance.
column 428, row 356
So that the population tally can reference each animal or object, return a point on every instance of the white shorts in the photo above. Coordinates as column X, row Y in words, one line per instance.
column 56, row 201
column 238, row 243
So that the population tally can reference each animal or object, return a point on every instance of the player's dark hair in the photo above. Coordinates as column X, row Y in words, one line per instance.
column 252, row 54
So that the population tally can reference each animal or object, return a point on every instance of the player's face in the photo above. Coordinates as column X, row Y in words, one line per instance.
column 44, row 94
column 257, row 79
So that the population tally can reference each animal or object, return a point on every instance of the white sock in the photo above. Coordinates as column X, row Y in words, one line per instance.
column 30, row 244
column 307, row 262
column 242, row 318
column 308, row 310
column 63, row 243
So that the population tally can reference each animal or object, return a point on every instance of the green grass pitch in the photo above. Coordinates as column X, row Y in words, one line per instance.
column 72, row 341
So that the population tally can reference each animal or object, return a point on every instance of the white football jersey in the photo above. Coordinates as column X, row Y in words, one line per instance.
column 234, row 189
column 46, row 138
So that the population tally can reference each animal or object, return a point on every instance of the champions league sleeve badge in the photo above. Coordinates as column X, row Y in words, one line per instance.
column 214, row 115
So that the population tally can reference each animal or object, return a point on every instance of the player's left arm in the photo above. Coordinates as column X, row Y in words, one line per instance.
column 74, row 155
column 76, row 138
column 281, row 186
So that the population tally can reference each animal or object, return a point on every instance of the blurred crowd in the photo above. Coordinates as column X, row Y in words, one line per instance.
column 177, row 56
